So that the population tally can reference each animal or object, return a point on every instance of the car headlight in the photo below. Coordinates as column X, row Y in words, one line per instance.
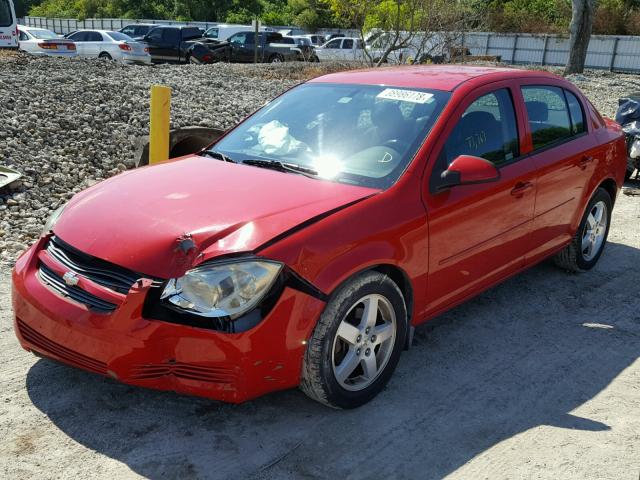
column 228, row 289
column 52, row 220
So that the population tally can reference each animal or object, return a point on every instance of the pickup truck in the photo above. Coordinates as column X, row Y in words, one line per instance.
column 175, row 44
column 271, row 48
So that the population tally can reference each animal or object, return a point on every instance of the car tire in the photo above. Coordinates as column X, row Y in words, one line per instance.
column 343, row 373
column 587, row 245
column 105, row 56
column 277, row 58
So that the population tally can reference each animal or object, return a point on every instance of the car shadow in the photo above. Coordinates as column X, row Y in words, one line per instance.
column 524, row 354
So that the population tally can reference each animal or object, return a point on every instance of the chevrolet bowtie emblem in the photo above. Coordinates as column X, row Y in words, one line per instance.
column 71, row 279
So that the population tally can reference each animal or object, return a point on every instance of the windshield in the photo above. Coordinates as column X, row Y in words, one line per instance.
column 119, row 37
column 359, row 134
column 43, row 34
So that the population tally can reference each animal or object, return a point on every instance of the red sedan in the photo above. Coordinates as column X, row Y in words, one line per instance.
column 305, row 245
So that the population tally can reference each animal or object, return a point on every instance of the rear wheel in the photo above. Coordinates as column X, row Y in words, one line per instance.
column 105, row 56
column 277, row 58
column 588, row 244
column 357, row 342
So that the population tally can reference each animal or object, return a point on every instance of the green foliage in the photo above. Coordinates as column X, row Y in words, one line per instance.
column 539, row 16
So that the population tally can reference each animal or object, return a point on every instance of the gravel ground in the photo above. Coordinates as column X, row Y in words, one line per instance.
column 537, row 378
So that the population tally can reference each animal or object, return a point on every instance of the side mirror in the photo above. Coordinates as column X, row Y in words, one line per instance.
column 468, row 170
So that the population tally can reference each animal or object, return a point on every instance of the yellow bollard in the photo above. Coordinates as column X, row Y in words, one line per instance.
column 159, row 124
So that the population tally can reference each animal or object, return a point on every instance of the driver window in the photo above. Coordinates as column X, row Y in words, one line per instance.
column 487, row 129
column 238, row 38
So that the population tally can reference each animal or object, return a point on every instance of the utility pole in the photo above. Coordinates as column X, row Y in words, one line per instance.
column 256, row 26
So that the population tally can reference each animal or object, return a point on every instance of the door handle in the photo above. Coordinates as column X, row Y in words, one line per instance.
column 585, row 161
column 521, row 188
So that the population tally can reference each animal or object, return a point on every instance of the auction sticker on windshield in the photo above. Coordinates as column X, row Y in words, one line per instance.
column 405, row 95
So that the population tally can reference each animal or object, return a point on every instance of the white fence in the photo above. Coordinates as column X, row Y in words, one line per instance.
column 615, row 53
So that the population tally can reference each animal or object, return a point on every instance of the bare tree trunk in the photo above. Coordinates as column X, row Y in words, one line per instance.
column 580, row 30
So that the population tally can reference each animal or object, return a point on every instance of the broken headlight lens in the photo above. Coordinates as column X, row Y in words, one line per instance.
column 228, row 289
column 52, row 220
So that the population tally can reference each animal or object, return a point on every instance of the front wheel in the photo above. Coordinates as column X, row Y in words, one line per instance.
column 357, row 342
column 588, row 244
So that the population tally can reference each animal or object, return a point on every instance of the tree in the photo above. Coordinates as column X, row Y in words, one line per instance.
column 405, row 27
column 580, row 34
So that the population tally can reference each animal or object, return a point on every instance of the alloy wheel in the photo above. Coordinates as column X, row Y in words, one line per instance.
column 594, row 231
column 364, row 342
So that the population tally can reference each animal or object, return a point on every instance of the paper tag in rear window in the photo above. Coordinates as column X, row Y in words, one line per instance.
column 412, row 96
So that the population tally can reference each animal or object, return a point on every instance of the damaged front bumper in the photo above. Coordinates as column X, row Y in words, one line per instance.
column 136, row 349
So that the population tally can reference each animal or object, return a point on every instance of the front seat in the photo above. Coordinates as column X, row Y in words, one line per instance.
column 479, row 134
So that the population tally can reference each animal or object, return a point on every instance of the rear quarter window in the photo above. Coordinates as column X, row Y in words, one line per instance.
column 578, row 124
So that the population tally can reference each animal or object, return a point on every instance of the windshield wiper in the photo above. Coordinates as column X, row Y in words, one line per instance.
column 282, row 167
column 218, row 155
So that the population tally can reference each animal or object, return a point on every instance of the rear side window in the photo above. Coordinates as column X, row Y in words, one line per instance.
column 129, row 30
column 548, row 114
column 578, row 124
column 487, row 129
column 171, row 35
column 93, row 37
column 6, row 19
column 190, row 33
column 347, row 44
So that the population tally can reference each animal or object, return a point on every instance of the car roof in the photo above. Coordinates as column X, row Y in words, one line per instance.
column 437, row 77
column 181, row 27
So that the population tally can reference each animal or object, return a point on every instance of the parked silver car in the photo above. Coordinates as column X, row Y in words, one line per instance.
column 38, row 41
column 110, row 45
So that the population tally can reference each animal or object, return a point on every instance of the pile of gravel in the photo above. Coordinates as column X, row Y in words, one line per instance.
column 66, row 124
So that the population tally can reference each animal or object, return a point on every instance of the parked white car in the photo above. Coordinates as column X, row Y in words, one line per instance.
column 342, row 50
column 8, row 30
column 110, row 45
column 39, row 41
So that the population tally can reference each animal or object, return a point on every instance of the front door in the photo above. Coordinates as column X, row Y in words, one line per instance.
column 479, row 233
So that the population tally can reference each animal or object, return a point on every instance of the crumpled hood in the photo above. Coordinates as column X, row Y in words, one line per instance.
column 163, row 219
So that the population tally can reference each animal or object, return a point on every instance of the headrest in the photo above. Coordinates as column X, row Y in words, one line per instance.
column 538, row 111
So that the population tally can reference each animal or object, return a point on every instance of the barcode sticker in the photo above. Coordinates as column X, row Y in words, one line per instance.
column 412, row 96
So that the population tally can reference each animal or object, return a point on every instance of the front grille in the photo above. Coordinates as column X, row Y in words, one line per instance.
column 57, row 284
column 46, row 346
column 99, row 271
column 187, row 371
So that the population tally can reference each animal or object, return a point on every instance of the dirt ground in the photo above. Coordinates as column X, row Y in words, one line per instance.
column 536, row 378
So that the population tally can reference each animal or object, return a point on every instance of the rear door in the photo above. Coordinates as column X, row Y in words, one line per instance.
column 8, row 27
column 171, row 41
column 347, row 49
column 561, row 148
column 479, row 234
